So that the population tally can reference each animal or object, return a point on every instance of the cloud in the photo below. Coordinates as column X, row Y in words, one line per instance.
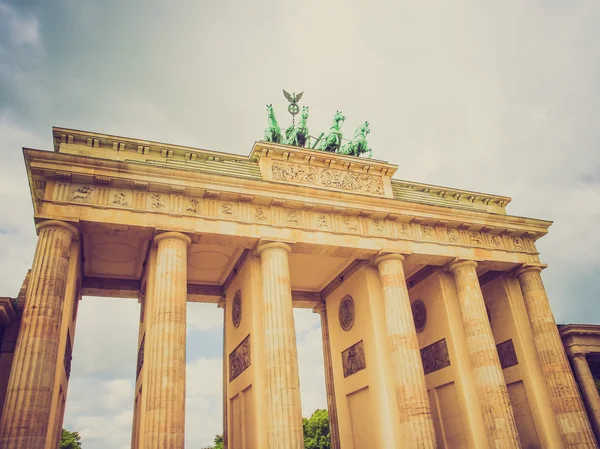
column 23, row 30
column 495, row 97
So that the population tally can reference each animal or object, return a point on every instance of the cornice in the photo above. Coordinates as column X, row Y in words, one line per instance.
column 579, row 329
column 162, row 179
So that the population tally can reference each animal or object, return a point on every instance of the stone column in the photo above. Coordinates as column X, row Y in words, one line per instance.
column 588, row 386
column 165, row 413
column 222, row 304
column 568, row 407
column 26, row 413
column 284, row 412
column 491, row 389
column 416, row 422
column 334, row 429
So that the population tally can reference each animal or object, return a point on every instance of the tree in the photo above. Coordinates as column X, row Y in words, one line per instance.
column 70, row 440
column 218, row 443
column 316, row 430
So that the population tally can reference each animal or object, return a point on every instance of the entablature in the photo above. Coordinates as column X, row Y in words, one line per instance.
column 73, row 188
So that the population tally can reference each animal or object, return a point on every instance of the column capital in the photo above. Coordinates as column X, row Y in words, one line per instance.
column 384, row 257
column 453, row 266
column 320, row 308
column 173, row 235
column 57, row 224
column 264, row 246
column 528, row 268
column 222, row 303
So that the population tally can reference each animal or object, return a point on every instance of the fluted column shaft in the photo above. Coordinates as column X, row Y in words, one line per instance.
column 222, row 304
column 567, row 403
column 491, row 389
column 416, row 422
column 284, row 412
column 588, row 386
column 334, row 428
column 165, row 414
column 26, row 412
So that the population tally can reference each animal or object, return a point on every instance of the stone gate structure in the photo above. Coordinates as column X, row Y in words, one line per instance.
column 437, row 331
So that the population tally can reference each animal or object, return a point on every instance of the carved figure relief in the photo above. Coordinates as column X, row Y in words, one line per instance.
column 351, row 225
column 140, row 357
column 68, row 356
column 193, row 206
column 404, row 230
column 507, row 354
column 378, row 225
column 327, row 177
column 346, row 313
column 240, row 359
column 156, row 201
column 322, row 221
column 435, row 356
column 236, row 309
column 82, row 194
column 475, row 238
column 120, row 199
column 496, row 241
column 227, row 208
column 353, row 359
column 259, row 213
column 429, row 232
column 518, row 243
column 453, row 236
column 419, row 312
column 291, row 217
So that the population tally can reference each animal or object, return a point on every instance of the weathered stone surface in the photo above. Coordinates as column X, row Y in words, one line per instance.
column 495, row 405
column 411, row 392
column 166, row 342
column 26, row 413
column 567, row 403
column 284, row 412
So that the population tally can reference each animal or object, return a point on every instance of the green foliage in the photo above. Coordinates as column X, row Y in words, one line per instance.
column 316, row 430
column 70, row 440
column 218, row 443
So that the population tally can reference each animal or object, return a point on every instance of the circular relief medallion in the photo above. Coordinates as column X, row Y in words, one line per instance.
column 419, row 314
column 236, row 309
column 347, row 313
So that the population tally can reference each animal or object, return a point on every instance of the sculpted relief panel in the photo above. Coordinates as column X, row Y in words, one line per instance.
column 353, row 359
column 240, row 359
column 435, row 356
column 328, row 177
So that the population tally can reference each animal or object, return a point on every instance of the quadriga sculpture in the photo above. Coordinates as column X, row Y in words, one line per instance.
column 358, row 145
column 273, row 132
column 333, row 141
column 298, row 135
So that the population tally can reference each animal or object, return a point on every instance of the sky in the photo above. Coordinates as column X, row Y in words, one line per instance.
column 497, row 97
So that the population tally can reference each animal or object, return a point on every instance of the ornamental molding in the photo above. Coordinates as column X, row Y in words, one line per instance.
column 310, row 217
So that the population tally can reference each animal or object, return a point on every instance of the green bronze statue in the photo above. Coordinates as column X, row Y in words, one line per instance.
column 358, row 145
column 273, row 132
column 333, row 141
column 298, row 135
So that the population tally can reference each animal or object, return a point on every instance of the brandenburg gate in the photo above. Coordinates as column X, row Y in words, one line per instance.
column 437, row 331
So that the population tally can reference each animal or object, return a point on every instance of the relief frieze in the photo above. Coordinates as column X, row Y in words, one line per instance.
column 435, row 356
column 507, row 354
column 327, row 177
column 239, row 359
column 353, row 359
column 339, row 221
column 140, row 358
column 82, row 194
